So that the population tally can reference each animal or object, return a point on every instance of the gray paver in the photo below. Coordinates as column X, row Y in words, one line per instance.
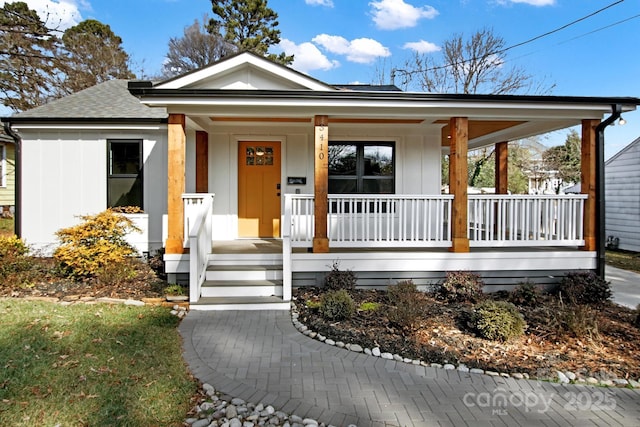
column 260, row 355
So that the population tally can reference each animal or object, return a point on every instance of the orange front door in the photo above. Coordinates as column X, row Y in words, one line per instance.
column 259, row 189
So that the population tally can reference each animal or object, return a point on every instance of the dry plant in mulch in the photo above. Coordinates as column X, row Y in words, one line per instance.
column 597, row 341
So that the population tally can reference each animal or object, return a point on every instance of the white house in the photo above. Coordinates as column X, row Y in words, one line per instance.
column 622, row 196
column 256, row 178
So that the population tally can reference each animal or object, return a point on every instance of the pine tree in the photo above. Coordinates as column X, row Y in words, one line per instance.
column 93, row 54
column 248, row 24
column 28, row 60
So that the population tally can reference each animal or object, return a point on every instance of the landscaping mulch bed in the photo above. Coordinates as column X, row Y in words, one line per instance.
column 41, row 280
column 443, row 334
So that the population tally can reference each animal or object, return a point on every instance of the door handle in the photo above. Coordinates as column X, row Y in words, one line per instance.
column 277, row 186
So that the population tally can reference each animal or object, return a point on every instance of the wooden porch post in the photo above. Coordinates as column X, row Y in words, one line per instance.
column 588, row 183
column 321, row 183
column 176, row 184
column 202, row 162
column 502, row 167
column 459, row 127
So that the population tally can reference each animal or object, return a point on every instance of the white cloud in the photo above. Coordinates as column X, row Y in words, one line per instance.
column 362, row 51
column 307, row 57
column 57, row 14
column 422, row 46
column 327, row 3
column 530, row 2
column 394, row 14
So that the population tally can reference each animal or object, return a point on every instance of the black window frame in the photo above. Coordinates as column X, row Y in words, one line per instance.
column 360, row 165
column 139, row 176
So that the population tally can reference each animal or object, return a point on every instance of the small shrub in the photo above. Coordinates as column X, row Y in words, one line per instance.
column 173, row 290
column 337, row 279
column 581, row 321
column 525, row 294
column 498, row 320
column 369, row 306
column 337, row 305
column 117, row 273
column 12, row 247
column 13, row 256
column 97, row 242
column 406, row 305
column 584, row 287
column 313, row 304
column 461, row 286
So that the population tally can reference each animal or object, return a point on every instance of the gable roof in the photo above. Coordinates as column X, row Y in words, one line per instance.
column 624, row 150
column 244, row 70
column 105, row 101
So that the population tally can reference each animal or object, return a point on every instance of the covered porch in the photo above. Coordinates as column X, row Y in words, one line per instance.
column 258, row 136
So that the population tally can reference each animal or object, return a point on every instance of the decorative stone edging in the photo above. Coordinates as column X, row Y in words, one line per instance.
column 566, row 377
column 215, row 411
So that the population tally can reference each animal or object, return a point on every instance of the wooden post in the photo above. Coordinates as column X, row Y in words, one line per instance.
column 202, row 162
column 588, row 183
column 321, row 183
column 459, row 142
column 176, row 184
column 502, row 167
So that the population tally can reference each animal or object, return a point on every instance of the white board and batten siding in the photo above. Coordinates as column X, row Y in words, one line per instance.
column 622, row 197
column 66, row 176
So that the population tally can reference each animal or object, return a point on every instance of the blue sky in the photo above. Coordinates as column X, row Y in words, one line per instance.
column 346, row 41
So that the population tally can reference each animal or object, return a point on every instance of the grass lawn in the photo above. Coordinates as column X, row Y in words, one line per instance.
column 623, row 259
column 6, row 226
column 90, row 365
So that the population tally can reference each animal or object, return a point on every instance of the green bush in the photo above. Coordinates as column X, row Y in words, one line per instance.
column 337, row 279
column 462, row 286
column 498, row 320
column 526, row 294
column 584, row 287
column 99, row 241
column 405, row 304
column 369, row 306
column 337, row 305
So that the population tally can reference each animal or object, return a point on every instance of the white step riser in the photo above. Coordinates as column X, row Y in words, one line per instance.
column 247, row 307
column 249, row 275
column 241, row 291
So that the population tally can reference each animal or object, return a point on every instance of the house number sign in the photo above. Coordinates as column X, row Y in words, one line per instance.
column 322, row 144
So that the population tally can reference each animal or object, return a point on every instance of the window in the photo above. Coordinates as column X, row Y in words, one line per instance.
column 124, row 173
column 3, row 165
column 361, row 167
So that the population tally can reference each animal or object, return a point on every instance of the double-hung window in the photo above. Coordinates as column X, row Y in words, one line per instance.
column 361, row 168
column 124, row 173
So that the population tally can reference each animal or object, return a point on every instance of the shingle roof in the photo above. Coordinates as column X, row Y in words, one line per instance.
column 108, row 100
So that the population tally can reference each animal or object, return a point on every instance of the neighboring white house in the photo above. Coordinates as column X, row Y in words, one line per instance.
column 249, row 152
column 622, row 198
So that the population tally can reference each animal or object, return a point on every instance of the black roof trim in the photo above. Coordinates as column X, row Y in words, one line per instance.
column 71, row 120
column 140, row 91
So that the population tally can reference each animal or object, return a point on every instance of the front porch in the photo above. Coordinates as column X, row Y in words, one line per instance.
column 383, row 239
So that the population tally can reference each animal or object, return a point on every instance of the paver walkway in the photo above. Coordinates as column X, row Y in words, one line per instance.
column 260, row 357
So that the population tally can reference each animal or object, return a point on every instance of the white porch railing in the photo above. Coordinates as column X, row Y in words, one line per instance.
column 526, row 220
column 193, row 203
column 199, row 217
column 373, row 220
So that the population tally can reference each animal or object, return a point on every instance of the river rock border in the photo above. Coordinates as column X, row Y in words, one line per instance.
column 563, row 377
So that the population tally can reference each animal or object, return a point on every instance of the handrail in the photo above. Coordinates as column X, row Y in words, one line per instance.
column 200, row 245
column 526, row 220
